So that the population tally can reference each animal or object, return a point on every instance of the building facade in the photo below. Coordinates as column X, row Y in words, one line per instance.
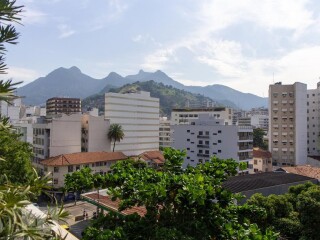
column 206, row 137
column 69, row 134
column 288, row 124
column 261, row 162
column 138, row 114
column 313, row 120
column 60, row 165
column 164, row 132
column 59, row 105
column 184, row 115
column 94, row 134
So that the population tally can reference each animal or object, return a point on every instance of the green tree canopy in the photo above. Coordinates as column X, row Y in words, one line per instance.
column 180, row 204
column 79, row 181
column 115, row 134
column 296, row 215
column 258, row 141
column 17, row 166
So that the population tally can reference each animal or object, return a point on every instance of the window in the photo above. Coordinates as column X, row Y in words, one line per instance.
column 70, row 168
column 188, row 140
column 188, row 131
column 219, row 131
column 77, row 167
column 55, row 181
column 200, row 133
column 55, row 169
column 219, row 151
column 207, row 133
column 219, row 141
column 255, row 162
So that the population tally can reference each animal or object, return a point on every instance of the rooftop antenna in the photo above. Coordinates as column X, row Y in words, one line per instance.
column 273, row 77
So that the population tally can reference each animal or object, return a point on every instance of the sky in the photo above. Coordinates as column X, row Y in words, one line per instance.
column 243, row 44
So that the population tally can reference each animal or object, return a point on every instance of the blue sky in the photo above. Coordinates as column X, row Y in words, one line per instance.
column 238, row 43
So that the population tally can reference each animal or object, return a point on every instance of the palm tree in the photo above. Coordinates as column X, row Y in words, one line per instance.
column 115, row 134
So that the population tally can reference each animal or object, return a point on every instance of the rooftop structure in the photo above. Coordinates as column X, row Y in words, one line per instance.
column 181, row 116
column 265, row 183
column 59, row 105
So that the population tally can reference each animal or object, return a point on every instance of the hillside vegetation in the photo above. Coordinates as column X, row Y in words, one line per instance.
column 169, row 96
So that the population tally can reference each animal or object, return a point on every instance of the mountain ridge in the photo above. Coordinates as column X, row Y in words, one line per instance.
column 72, row 82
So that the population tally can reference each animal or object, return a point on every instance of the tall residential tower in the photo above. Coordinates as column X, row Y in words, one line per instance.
column 288, row 124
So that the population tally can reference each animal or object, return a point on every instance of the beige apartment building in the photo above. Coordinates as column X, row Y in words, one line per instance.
column 261, row 162
column 60, row 165
column 313, row 119
column 288, row 124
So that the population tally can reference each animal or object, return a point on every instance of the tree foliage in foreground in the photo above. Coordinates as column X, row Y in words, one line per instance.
column 180, row 204
column 19, row 184
column 296, row 215
column 17, row 154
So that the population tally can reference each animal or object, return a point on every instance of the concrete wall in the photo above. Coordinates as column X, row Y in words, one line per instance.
column 97, row 129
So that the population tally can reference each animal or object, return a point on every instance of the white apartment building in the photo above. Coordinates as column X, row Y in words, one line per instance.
column 164, row 132
column 288, row 124
column 207, row 136
column 59, row 136
column 11, row 110
column 69, row 134
column 313, row 120
column 138, row 114
column 260, row 121
column 184, row 115
column 94, row 134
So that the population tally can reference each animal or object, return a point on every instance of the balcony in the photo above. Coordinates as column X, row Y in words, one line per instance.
column 203, row 146
column 203, row 155
column 245, row 138
column 249, row 147
column 203, row 136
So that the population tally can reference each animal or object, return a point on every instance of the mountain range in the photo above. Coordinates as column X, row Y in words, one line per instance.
column 169, row 97
column 72, row 82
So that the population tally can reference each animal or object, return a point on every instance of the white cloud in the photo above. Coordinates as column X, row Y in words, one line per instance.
column 287, row 14
column 65, row 31
column 22, row 74
column 226, row 57
column 158, row 59
column 118, row 7
column 32, row 16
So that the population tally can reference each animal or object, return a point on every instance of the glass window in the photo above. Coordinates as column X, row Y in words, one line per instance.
column 70, row 168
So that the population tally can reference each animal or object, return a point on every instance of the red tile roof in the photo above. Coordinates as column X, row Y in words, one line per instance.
column 304, row 170
column 156, row 156
column 259, row 153
column 83, row 158
column 113, row 205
